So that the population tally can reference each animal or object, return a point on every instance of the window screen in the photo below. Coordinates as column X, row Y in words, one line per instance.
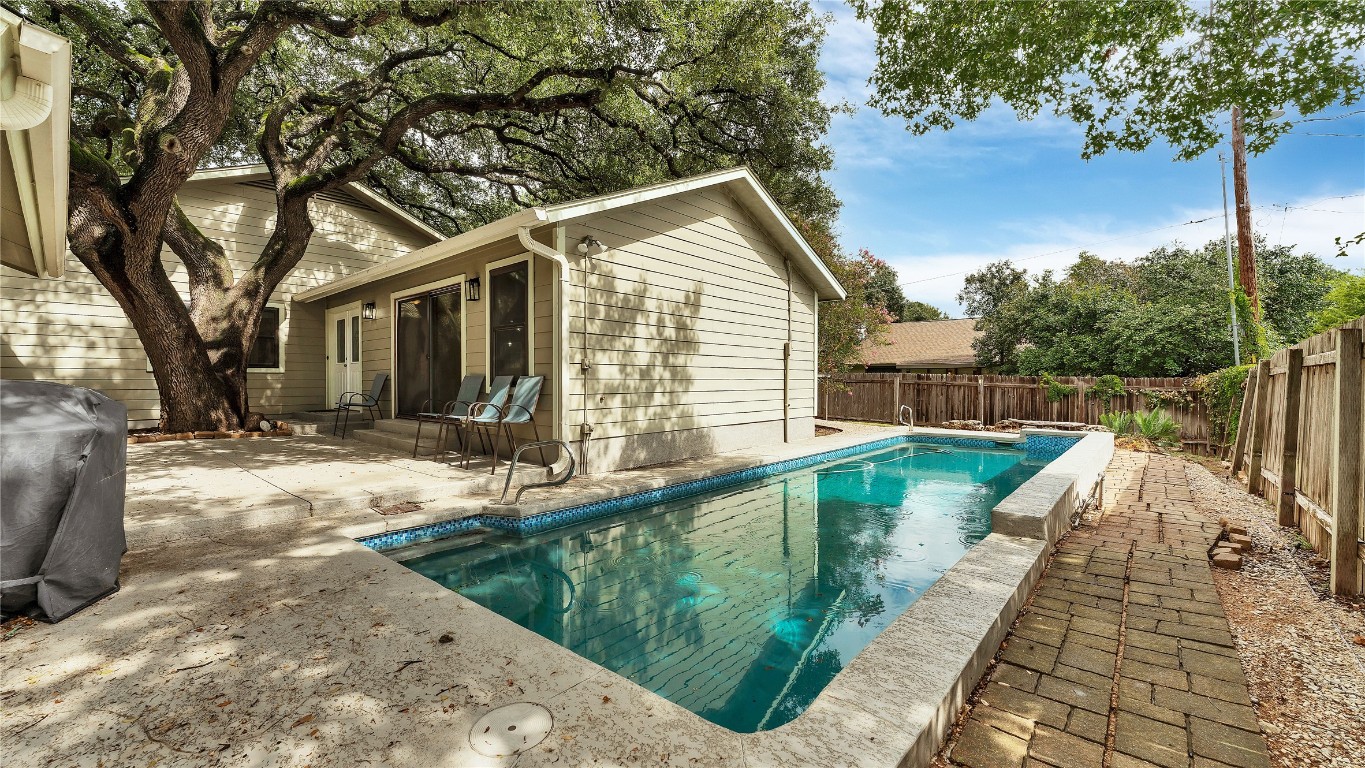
column 509, row 308
column 265, row 352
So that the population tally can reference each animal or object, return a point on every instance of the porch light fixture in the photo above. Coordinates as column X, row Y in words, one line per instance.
column 367, row 310
column 471, row 289
column 589, row 245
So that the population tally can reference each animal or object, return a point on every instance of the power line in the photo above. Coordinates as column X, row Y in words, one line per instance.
column 1132, row 235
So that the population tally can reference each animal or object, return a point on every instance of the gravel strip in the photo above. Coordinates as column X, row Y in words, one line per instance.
column 1301, row 649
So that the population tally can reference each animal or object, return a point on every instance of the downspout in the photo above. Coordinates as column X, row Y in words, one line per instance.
column 787, row 365
column 563, row 292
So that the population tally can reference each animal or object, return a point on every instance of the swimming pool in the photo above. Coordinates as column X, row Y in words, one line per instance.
column 742, row 602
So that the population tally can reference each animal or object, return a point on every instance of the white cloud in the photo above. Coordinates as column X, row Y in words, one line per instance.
column 1309, row 223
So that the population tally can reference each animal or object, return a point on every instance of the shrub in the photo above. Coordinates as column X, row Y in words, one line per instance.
column 1156, row 426
column 1120, row 423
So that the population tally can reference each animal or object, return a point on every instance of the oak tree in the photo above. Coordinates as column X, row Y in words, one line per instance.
column 460, row 111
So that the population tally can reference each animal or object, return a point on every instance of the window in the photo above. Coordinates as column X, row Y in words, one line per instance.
column 509, row 314
column 265, row 353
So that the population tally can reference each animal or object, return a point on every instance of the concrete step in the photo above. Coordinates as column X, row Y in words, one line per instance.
column 396, row 442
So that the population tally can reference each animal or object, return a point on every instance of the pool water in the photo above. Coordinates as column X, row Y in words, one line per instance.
column 742, row 603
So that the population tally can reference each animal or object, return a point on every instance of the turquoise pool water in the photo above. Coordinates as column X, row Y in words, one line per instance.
column 742, row 603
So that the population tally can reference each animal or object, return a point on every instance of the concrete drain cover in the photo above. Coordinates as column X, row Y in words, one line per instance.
column 511, row 730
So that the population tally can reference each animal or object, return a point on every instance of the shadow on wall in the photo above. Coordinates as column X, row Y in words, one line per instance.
column 643, row 343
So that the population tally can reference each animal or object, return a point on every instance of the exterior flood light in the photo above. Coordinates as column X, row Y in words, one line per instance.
column 590, row 246
column 471, row 289
column 367, row 310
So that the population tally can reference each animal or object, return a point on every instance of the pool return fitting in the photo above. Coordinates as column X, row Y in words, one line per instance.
column 512, row 470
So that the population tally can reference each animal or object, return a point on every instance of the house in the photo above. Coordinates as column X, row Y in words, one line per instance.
column 925, row 346
column 72, row 331
column 669, row 321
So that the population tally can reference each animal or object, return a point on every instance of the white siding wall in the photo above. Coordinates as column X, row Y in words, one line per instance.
column 684, row 319
column 72, row 331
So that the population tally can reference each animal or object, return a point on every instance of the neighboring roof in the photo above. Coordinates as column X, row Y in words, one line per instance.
column 35, row 119
column 738, row 181
column 925, row 344
column 361, row 192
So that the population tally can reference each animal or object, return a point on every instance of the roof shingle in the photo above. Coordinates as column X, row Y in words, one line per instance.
column 925, row 343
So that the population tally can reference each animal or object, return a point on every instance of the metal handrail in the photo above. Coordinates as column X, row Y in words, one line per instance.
column 905, row 409
column 512, row 470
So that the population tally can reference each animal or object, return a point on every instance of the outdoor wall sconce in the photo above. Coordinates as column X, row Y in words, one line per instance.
column 367, row 310
column 471, row 289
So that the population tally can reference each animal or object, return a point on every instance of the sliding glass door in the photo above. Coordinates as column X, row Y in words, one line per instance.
column 428, row 351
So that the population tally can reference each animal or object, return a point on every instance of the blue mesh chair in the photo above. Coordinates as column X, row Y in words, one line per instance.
column 496, row 420
column 450, row 414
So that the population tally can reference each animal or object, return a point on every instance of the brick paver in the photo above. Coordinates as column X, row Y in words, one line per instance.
column 1123, row 658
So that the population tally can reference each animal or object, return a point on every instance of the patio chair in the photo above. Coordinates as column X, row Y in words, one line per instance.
column 450, row 414
column 369, row 402
column 496, row 420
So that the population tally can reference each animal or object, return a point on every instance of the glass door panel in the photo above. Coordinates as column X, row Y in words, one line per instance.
column 412, row 354
column 446, row 346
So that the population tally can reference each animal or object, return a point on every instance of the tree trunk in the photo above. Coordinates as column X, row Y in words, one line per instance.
column 1246, row 253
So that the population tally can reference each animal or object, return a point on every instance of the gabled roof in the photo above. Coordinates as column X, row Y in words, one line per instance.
column 35, row 119
column 364, row 194
column 925, row 344
column 738, row 181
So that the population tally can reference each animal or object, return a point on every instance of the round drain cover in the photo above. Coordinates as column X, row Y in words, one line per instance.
column 511, row 730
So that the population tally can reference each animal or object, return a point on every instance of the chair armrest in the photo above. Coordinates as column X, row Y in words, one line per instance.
column 521, row 408
column 477, row 410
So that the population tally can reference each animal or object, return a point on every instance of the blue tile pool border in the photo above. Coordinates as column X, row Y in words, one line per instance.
column 1044, row 447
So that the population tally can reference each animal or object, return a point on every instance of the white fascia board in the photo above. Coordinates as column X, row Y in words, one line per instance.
column 751, row 194
column 260, row 171
column 432, row 254
column 379, row 201
column 41, row 153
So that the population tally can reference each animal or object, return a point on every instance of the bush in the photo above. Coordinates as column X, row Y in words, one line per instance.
column 1120, row 423
column 1156, row 426
column 1055, row 389
column 1107, row 388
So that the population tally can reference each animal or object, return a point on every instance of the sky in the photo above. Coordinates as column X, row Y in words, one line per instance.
column 944, row 204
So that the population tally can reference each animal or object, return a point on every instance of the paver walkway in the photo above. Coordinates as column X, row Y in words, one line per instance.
column 1123, row 658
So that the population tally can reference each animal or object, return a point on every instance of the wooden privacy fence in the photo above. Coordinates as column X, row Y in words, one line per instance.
column 940, row 397
column 1302, row 449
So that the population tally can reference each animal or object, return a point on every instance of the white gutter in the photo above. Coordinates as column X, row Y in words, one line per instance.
column 561, row 302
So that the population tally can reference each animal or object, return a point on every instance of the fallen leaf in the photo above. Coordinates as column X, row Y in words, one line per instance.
column 1359, row 640
column 446, row 638
column 224, row 704
column 302, row 720
column 313, row 733
column 606, row 699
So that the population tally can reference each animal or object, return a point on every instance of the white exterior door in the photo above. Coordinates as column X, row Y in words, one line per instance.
column 343, row 353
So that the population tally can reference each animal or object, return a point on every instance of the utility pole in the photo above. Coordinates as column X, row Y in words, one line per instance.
column 1232, row 281
column 1246, row 255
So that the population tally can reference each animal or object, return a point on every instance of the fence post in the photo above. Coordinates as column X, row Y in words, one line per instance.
column 896, row 400
column 1244, row 424
column 1289, row 457
column 981, row 398
column 1346, row 475
column 1260, row 418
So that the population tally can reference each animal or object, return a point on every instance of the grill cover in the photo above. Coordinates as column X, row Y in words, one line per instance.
column 63, row 451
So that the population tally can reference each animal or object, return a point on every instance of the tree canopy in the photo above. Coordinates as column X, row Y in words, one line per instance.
column 460, row 111
column 1164, row 315
column 912, row 311
column 1129, row 72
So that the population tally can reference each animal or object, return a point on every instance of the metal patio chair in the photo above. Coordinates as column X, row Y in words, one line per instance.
column 497, row 420
column 367, row 401
column 450, row 415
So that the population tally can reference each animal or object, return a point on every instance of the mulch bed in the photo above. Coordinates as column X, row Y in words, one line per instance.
column 154, row 435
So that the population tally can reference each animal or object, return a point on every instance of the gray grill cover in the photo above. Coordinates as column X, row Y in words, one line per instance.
column 62, row 455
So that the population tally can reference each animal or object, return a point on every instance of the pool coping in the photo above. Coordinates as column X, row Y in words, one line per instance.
column 937, row 649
